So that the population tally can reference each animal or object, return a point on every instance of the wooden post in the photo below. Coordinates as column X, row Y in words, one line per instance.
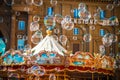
column 13, row 29
column 92, row 76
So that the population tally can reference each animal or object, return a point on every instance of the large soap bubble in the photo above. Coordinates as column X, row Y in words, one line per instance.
column 34, row 26
column 87, row 37
column 108, row 39
column 49, row 22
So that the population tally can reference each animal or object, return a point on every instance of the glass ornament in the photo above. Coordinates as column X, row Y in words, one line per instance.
column 58, row 18
column 38, row 2
column 110, row 7
column 29, row 2
column 36, row 18
column 53, row 2
column 52, row 77
column 102, row 49
column 82, row 7
column 34, row 26
column 49, row 22
column 37, row 37
column 68, row 25
column 87, row 37
column 63, row 39
column 55, row 37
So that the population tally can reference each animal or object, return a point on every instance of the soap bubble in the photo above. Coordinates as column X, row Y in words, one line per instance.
column 36, row 18
column 68, row 25
column 29, row 2
column 56, row 31
column 102, row 49
column 15, row 75
column 34, row 26
column 17, row 13
column 82, row 6
column 84, row 15
column 9, row 2
column 53, row 2
column 92, row 27
column 49, row 21
column 55, row 37
column 74, row 37
column 38, row 2
column 52, row 77
column 108, row 39
column 38, row 70
column 36, row 37
column 63, row 39
column 87, row 37
column 58, row 18
column 110, row 7
column 67, row 18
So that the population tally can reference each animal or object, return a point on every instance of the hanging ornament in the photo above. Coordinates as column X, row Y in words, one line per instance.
column 34, row 26
column 38, row 2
